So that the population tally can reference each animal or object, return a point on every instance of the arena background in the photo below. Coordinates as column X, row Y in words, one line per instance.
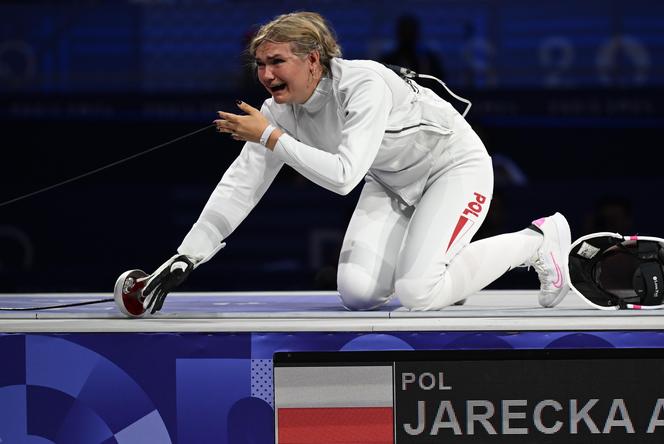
column 567, row 96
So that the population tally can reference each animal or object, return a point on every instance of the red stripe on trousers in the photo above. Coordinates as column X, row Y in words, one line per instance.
column 347, row 425
column 462, row 221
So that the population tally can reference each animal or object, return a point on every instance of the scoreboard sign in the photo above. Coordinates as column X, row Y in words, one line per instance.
column 460, row 396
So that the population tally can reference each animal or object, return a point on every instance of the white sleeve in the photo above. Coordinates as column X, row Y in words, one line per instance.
column 241, row 187
column 368, row 105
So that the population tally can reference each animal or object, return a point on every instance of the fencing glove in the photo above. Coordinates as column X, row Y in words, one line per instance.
column 168, row 276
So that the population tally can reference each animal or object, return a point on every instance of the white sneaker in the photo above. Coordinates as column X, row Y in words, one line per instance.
column 550, row 261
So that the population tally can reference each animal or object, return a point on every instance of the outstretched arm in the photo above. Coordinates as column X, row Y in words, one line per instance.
column 241, row 187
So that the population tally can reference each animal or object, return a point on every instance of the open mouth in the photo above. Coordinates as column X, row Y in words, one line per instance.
column 277, row 88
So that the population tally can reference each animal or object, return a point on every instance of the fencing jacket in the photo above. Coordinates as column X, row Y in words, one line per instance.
column 361, row 120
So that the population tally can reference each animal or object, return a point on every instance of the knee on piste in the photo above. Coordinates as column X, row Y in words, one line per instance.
column 358, row 289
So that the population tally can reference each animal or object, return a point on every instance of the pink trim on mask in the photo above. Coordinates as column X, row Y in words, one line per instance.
column 633, row 237
column 539, row 221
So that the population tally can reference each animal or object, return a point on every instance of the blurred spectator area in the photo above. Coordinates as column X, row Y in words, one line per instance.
column 567, row 97
column 195, row 45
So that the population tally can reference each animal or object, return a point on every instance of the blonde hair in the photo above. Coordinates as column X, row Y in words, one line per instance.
column 305, row 31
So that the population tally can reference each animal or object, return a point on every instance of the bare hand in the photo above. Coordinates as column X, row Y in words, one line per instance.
column 248, row 127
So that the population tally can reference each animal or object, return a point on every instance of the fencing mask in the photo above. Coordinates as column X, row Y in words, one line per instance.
column 612, row 272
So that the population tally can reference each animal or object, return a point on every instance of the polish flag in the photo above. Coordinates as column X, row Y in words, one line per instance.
column 334, row 405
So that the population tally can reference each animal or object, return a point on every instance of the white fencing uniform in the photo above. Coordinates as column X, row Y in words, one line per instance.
column 429, row 182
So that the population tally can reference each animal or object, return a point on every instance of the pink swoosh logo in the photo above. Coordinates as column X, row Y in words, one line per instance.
column 559, row 276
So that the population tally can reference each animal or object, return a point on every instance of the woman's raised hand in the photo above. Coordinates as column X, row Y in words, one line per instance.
column 246, row 127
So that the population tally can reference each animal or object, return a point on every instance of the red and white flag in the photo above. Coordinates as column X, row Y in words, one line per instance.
column 334, row 405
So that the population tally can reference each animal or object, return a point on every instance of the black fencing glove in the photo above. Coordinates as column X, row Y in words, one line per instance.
column 171, row 274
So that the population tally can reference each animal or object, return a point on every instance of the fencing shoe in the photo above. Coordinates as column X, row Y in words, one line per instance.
column 550, row 260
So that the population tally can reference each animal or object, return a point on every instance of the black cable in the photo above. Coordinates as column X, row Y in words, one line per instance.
column 49, row 307
column 89, row 173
